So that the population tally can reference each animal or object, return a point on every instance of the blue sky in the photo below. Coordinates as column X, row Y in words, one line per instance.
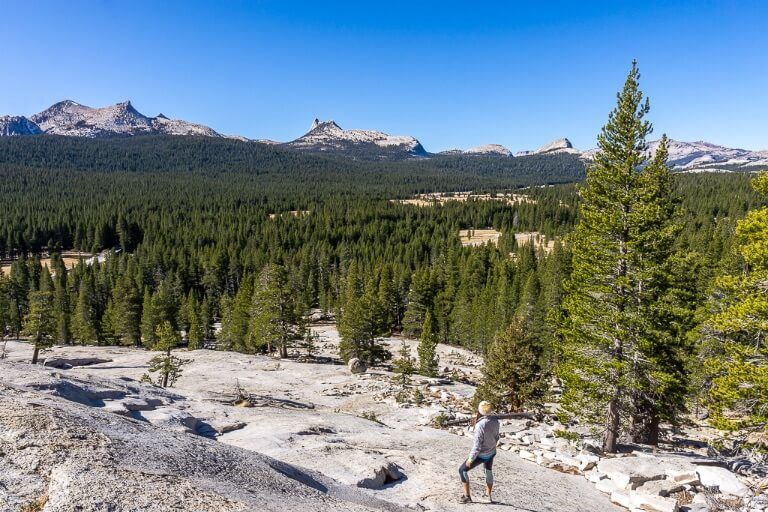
column 452, row 74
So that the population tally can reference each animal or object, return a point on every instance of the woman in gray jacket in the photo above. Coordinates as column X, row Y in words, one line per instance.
column 483, row 450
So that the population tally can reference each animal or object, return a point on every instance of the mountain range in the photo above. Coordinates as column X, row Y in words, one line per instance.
column 69, row 118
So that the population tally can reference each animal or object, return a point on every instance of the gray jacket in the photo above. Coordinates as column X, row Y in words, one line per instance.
column 486, row 438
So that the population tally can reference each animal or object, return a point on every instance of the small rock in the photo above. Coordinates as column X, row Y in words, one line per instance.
column 357, row 366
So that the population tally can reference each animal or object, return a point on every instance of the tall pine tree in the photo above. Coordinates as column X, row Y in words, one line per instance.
column 622, row 358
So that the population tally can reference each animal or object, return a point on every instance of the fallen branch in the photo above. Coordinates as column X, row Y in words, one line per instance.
column 509, row 416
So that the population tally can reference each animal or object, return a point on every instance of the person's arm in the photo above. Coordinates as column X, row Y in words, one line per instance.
column 478, row 442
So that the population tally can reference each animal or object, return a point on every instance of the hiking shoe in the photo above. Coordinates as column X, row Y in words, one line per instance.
column 465, row 499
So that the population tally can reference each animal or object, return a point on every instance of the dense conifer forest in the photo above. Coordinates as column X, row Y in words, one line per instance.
column 201, row 232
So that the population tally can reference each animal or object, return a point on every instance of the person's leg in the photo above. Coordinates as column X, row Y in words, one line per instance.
column 488, row 464
column 464, row 475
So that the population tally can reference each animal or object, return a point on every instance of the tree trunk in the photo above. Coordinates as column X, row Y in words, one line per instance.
column 167, row 369
column 35, row 354
column 645, row 426
column 611, row 440
column 283, row 351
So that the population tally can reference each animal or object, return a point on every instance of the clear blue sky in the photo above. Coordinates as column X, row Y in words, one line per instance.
column 453, row 74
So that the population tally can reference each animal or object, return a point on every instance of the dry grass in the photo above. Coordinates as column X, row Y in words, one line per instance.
column 70, row 259
column 476, row 237
column 539, row 241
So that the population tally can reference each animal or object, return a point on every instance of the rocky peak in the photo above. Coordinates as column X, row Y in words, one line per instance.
column 11, row 126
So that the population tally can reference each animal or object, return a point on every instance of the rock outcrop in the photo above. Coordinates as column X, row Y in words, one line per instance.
column 60, row 455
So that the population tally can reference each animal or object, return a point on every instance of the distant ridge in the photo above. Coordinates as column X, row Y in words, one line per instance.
column 70, row 118
column 328, row 136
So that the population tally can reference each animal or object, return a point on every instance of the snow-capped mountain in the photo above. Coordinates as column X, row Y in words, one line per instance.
column 562, row 145
column 699, row 155
column 483, row 150
column 73, row 119
column 703, row 156
column 17, row 125
column 329, row 136
column 489, row 149
column 179, row 127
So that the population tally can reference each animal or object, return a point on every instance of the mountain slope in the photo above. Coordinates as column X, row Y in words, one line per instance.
column 561, row 145
column 484, row 150
column 699, row 155
column 703, row 156
column 73, row 119
column 17, row 125
column 328, row 136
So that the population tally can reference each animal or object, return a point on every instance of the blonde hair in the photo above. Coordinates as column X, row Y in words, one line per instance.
column 485, row 408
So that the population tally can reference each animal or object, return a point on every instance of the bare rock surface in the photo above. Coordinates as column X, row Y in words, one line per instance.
column 345, row 436
column 59, row 455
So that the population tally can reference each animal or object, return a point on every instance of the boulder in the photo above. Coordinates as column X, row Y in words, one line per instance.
column 527, row 455
column 607, row 486
column 587, row 461
column 683, row 476
column 594, row 476
column 727, row 482
column 659, row 487
column 631, row 472
column 385, row 474
column 654, row 503
column 623, row 498
column 65, row 363
column 634, row 501
column 357, row 366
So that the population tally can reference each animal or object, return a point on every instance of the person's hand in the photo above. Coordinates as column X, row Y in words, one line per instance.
column 469, row 462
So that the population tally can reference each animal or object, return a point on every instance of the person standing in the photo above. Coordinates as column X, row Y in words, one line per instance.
column 483, row 450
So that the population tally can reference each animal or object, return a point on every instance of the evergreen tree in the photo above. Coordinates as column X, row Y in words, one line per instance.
column 126, row 312
column 149, row 322
column 360, row 324
column 427, row 349
column 85, row 323
column 236, row 318
column 5, row 304
column 61, row 304
column 387, row 296
column 621, row 361
column 404, row 366
column 167, row 366
column 274, row 319
column 39, row 322
column 195, row 329
column 420, row 300
column 738, row 362
column 512, row 378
